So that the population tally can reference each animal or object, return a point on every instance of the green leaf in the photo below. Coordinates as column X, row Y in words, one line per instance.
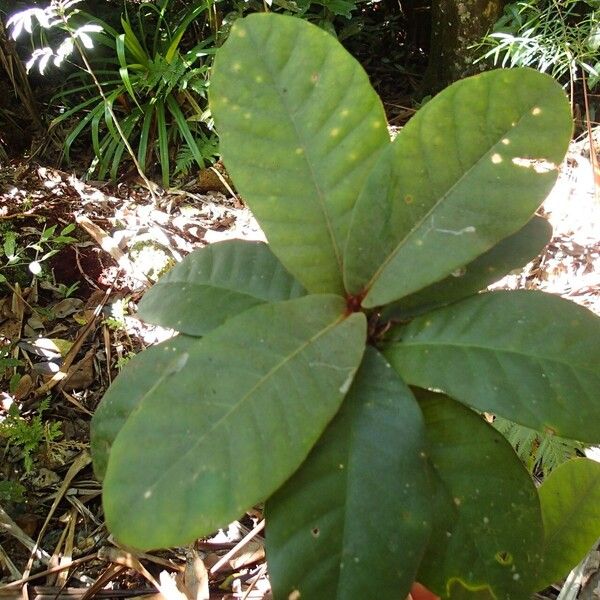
column 127, row 126
column 124, row 68
column 524, row 355
column 133, row 44
column 300, row 128
column 497, row 532
column 570, row 498
column 353, row 521
column 10, row 244
column 214, row 283
column 200, row 429
column 145, row 138
column 467, row 171
column 163, row 142
column 184, row 130
column 540, row 452
column 191, row 15
column 511, row 253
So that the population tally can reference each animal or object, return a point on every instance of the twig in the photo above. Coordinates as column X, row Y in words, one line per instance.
column 72, row 353
column 593, row 156
column 237, row 547
column 254, row 581
column 79, row 463
column 9, row 564
column 24, row 580
column 8, row 525
column 107, row 575
column 225, row 183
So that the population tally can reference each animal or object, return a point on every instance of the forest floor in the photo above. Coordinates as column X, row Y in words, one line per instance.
column 68, row 343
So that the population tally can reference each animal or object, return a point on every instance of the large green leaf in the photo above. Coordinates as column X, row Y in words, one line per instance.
column 353, row 521
column 162, row 362
column 570, row 499
column 524, row 355
column 227, row 419
column 511, row 253
column 494, row 542
column 299, row 128
column 468, row 170
column 214, row 283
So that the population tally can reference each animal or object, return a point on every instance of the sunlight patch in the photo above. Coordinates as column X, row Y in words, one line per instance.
column 537, row 164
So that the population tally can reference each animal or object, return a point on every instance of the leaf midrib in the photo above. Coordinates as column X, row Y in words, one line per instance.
column 581, row 500
column 241, row 402
column 475, row 346
column 402, row 243
column 320, row 195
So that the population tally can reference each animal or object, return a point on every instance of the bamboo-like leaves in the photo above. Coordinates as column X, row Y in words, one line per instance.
column 201, row 428
column 468, row 170
column 299, row 129
column 217, row 282
column 524, row 355
column 495, row 540
column 326, row 539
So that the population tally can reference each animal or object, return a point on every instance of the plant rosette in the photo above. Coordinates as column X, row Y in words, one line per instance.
column 340, row 372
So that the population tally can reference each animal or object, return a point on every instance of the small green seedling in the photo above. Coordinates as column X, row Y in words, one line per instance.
column 340, row 372
column 14, row 252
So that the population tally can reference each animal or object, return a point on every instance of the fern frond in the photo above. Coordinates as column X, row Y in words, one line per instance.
column 540, row 452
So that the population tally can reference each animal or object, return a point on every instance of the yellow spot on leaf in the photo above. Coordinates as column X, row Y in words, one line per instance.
column 334, row 132
column 496, row 158
column 536, row 111
column 408, row 199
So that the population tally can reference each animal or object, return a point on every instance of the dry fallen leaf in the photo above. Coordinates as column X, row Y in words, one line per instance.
column 67, row 307
column 81, row 375
column 24, row 387
column 193, row 582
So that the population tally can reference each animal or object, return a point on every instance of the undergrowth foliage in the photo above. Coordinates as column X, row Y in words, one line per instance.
column 153, row 84
column 540, row 452
column 560, row 38
column 30, row 436
column 339, row 373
